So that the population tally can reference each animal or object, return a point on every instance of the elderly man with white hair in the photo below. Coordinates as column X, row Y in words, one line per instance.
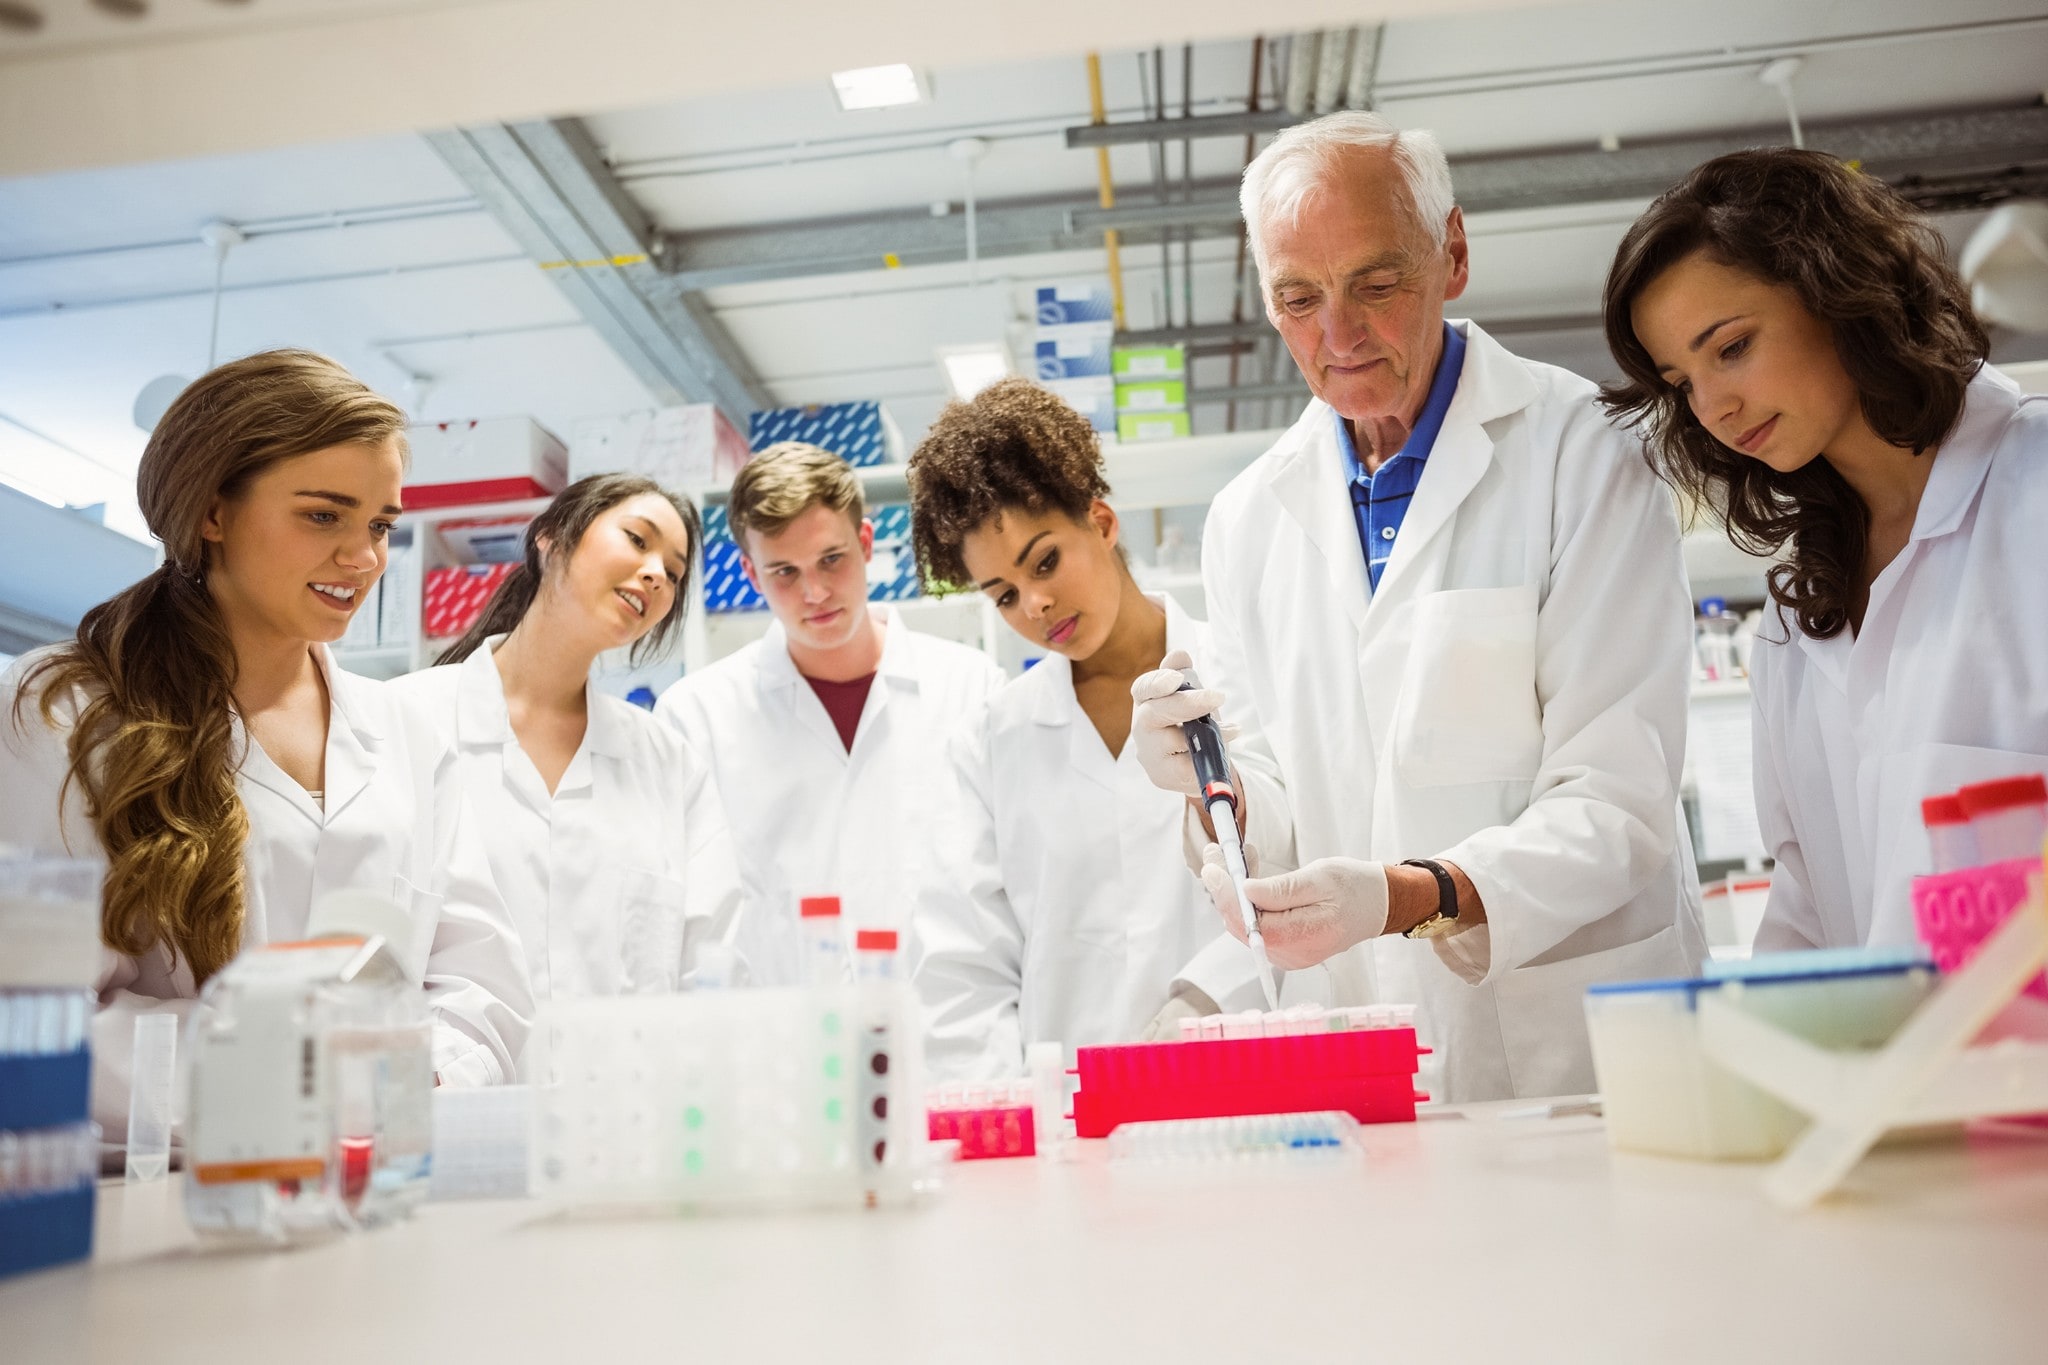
column 1451, row 629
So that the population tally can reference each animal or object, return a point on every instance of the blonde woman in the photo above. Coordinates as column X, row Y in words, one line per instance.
column 601, row 830
column 197, row 735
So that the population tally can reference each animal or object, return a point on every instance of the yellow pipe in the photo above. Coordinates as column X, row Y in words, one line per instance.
column 1107, row 190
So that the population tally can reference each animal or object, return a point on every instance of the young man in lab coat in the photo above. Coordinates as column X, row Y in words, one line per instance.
column 1450, row 621
column 826, row 739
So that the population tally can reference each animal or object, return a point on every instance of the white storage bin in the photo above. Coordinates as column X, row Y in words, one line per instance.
column 1661, row 1092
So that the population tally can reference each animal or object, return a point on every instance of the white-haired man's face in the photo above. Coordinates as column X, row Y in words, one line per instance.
column 1357, row 290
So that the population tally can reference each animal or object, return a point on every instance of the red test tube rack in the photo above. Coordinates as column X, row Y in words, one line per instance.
column 986, row 1120
column 1313, row 1064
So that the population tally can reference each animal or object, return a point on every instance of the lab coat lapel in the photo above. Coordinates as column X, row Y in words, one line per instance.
column 784, row 691
column 355, row 733
column 1493, row 384
column 1308, row 481
column 1054, row 704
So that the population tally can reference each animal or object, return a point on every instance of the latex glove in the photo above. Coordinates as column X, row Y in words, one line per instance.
column 1158, row 711
column 1308, row 915
column 1185, row 1003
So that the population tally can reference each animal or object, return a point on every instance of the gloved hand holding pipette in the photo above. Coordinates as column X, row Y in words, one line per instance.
column 1305, row 916
column 1163, row 706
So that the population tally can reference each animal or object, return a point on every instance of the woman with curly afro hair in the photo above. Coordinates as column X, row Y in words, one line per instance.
column 1070, row 912
column 1802, row 359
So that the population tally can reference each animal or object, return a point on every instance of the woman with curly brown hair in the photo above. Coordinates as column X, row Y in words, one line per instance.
column 198, row 736
column 1070, row 913
column 1804, row 361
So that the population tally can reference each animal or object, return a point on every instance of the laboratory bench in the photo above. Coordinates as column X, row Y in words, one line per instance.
column 1485, row 1233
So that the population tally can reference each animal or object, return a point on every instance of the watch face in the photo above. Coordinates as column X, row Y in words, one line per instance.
column 1436, row 926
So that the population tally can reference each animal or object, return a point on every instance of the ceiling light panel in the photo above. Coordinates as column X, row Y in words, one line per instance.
column 879, row 87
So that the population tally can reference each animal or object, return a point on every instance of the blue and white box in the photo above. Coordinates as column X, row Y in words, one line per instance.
column 1094, row 399
column 1077, row 356
column 1068, row 302
column 860, row 433
column 892, row 574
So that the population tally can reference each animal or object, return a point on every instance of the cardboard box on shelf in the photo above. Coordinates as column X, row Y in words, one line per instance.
column 1094, row 399
column 1072, row 357
column 1152, row 395
column 1151, row 426
column 485, row 540
column 455, row 596
column 860, row 433
column 1132, row 363
column 686, row 447
column 494, row 459
column 1069, row 303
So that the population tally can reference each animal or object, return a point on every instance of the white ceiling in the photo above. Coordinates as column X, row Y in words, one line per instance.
column 373, row 251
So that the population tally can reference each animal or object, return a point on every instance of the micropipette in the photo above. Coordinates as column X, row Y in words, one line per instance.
column 1219, row 798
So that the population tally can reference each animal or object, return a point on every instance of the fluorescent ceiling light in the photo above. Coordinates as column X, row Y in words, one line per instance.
column 970, row 369
column 878, row 87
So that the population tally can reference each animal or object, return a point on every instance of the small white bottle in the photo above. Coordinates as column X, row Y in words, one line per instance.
column 824, row 941
column 1949, row 833
column 874, row 955
column 2009, row 817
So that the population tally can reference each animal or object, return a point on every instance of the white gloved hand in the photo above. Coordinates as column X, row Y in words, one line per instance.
column 1305, row 916
column 1185, row 1003
column 1159, row 710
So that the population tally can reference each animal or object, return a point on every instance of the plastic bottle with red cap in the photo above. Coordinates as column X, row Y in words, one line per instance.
column 874, row 955
column 2009, row 817
column 1949, row 833
column 824, row 941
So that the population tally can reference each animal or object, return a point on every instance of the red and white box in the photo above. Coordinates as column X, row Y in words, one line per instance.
column 686, row 448
column 455, row 597
column 494, row 459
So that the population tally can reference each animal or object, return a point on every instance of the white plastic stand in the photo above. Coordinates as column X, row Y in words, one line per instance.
column 1927, row 1074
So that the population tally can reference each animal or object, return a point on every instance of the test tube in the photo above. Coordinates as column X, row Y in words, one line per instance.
column 824, row 942
column 2009, row 817
column 1190, row 1029
column 1949, row 833
column 1212, row 1028
column 874, row 955
column 1047, row 1062
column 153, row 1074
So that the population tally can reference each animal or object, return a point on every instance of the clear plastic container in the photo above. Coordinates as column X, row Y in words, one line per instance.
column 874, row 955
column 312, row 1081
column 2008, row 817
column 824, row 942
column 1714, row 641
column 1948, row 833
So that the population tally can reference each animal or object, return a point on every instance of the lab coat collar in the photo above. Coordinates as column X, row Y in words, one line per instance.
column 1493, row 384
column 1308, row 480
column 356, row 722
column 1051, row 680
column 899, row 653
column 1964, row 459
column 483, row 719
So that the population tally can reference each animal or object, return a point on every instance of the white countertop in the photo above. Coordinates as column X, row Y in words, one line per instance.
column 1457, row 1239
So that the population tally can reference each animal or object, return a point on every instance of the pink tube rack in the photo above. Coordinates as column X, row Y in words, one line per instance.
column 1369, row 1073
column 1956, row 911
column 991, row 1123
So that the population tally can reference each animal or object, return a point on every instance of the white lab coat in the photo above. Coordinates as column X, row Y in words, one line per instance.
column 806, row 816
column 602, row 876
column 392, row 821
column 1946, row 684
column 1511, row 700
column 1067, row 910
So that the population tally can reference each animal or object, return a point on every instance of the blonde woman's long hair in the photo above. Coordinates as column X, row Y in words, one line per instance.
column 152, row 670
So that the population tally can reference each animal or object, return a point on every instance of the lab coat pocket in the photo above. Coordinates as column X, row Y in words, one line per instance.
column 650, row 947
column 1467, row 711
column 423, row 909
column 1543, row 1014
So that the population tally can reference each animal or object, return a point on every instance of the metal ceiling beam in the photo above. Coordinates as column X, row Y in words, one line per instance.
column 1174, row 129
column 1940, row 161
column 1947, row 160
column 549, row 188
column 880, row 241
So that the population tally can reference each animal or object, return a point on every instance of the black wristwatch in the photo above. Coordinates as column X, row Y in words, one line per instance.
column 1445, row 920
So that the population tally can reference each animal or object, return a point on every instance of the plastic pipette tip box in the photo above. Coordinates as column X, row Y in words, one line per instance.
column 1956, row 911
column 1361, row 1062
column 1259, row 1139
column 986, row 1121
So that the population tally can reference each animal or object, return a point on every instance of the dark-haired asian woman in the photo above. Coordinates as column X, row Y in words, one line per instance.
column 198, row 737
column 1804, row 360
column 594, row 814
